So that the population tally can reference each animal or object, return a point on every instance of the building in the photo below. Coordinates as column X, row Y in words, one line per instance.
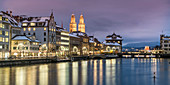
column 81, row 26
column 113, row 43
column 75, row 45
column 8, row 28
column 62, row 43
column 73, row 24
column 165, row 43
column 95, row 45
column 84, row 42
column 25, row 45
column 44, row 28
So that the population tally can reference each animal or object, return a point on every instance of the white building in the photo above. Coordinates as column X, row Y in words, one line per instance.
column 8, row 28
column 44, row 28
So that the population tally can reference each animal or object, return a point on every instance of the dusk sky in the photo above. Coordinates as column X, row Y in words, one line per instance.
column 134, row 20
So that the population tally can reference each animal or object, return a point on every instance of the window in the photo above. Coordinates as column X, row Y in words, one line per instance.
column 0, row 18
column 16, row 43
column 3, row 32
column 24, row 29
column 14, row 48
column 34, row 28
column 44, row 28
column 29, row 33
column 0, row 32
column 34, row 33
column 44, row 33
column 25, row 43
column 24, row 24
column 1, row 39
column 24, row 34
column 44, row 39
column 0, row 25
column 29, row 29
column 6, row 19
column 3, row 26
column 54, row 29
column 32, row 24
column 0, row 46
column 165, row 45
column 6, row 33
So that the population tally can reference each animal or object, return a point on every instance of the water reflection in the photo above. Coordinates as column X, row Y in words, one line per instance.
column 132, row 71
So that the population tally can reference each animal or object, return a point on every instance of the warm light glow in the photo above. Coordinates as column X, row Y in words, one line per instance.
column 15, row 54
column 45, row 29
column 65, row 43
column 63, row 33
column 6, row 33
column 29, row 29
column 34, row 28
column 32, row 24
column 24, row 24
column 64, row 38
column 24, row 29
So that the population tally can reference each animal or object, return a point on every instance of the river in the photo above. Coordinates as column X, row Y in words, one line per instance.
column 119, row 71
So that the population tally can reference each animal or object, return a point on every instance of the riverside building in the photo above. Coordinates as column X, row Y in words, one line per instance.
column 113, row 43
column 44, row 29
column 8, row 27
column 165, row 43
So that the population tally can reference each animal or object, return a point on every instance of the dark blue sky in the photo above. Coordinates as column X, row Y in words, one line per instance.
column 135, row 20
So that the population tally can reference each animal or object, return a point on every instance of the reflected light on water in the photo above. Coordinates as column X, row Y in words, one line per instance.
column 43, row 75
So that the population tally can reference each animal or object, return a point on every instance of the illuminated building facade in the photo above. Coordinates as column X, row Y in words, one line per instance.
column 81, row 26
column 8, row 28
column 44, row 28
column 73, row 24
column 113, row 43
column 24, row 46
column 165, row 43
column 62, row 41
column 95, row 45
column 84, row 42
column 74, row 45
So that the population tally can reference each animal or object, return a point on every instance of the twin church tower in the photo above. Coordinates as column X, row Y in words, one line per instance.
column 73, row 24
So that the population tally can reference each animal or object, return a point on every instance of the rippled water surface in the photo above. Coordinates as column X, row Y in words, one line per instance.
column 130, row 71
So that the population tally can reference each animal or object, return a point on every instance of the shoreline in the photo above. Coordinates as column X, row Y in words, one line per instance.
column 27, row 62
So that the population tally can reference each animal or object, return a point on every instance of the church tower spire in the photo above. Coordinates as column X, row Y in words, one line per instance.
column 81, row 26
column 73, row 24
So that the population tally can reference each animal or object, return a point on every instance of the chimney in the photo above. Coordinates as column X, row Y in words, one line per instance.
column 7, row 12
column 11, row 13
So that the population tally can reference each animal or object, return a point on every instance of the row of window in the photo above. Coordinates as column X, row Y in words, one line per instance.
column 4, row 26
column 33, row 24
column 4, row 47
column 34, row 48
column 3, row 18
column 2, row 39
column 20, row 48
column 4, row 33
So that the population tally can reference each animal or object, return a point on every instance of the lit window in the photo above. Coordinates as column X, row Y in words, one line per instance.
column 32, row 24
column 24, row 29
column 64, row 38
column 6, row 39
column 62, row 33
column 0, row 46
column 44, row 28
column 6, row 33
column 24, row 24
column 0, row 18
column 0, row 32
column 54, row 29
column 6, row 19
column 0, row 25
column 34, row 29
column 25, row 43
column 1, row 39
column 29, row 29
column 3, row 26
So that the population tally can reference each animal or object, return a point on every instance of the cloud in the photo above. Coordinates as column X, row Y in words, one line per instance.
column 135, row 20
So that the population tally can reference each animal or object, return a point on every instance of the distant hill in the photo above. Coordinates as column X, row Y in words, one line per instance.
column 141, row 44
